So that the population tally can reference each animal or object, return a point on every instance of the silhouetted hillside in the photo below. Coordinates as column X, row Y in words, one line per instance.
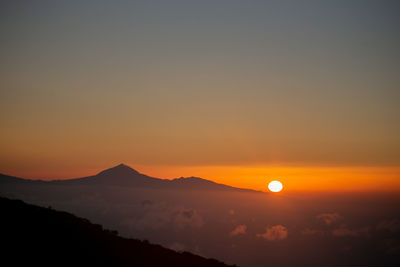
column 36, row 236
column 123, row 175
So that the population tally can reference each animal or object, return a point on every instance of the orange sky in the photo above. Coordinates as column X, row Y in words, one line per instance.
column 294, row 178
column 239, row 93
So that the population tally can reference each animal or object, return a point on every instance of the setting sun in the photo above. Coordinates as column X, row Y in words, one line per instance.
column 275, row 186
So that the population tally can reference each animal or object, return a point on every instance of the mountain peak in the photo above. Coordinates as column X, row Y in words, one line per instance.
column 120, row 169
column 122, row 165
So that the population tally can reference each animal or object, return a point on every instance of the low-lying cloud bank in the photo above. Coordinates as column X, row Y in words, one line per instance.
column 160, row 215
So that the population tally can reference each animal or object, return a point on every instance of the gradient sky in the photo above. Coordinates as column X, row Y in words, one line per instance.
column 174, row 86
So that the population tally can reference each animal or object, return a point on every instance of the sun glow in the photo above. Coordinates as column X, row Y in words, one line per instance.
column 275, row 186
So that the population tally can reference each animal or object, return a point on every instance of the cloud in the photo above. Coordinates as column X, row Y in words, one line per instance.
column 343, row 231
column 389, row 225
column 309, row 231
column 239, row 230
column 160, row 215
column 329, row 218
column 187, row 217
column 276, row 232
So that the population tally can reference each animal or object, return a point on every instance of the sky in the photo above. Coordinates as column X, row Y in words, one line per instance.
column 240, row 92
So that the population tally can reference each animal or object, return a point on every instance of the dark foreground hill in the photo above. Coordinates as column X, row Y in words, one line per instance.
column 36, row 236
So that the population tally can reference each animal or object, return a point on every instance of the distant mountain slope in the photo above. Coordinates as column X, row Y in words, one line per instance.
column 6, row 179
column 36, row 236
column 123, row 175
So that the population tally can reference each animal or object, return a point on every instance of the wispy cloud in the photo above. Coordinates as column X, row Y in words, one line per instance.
column 329, row 218
column 344, row 231
column 309, row 231
column 276, row 232
column 239, row 230
column 160, row 215
column 341, row 230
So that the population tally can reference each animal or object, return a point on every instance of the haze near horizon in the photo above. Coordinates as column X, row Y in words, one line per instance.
column 236, row 92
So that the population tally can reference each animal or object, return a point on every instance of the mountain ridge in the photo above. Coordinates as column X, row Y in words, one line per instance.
column 124, row 175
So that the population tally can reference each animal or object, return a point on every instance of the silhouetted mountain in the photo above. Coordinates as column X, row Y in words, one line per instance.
column 12, row 179
column 36, row 236
column 199, row 183
column 123, row 175
column 120, row 175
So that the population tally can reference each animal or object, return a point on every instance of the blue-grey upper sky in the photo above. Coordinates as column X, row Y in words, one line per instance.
column 200, row 82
